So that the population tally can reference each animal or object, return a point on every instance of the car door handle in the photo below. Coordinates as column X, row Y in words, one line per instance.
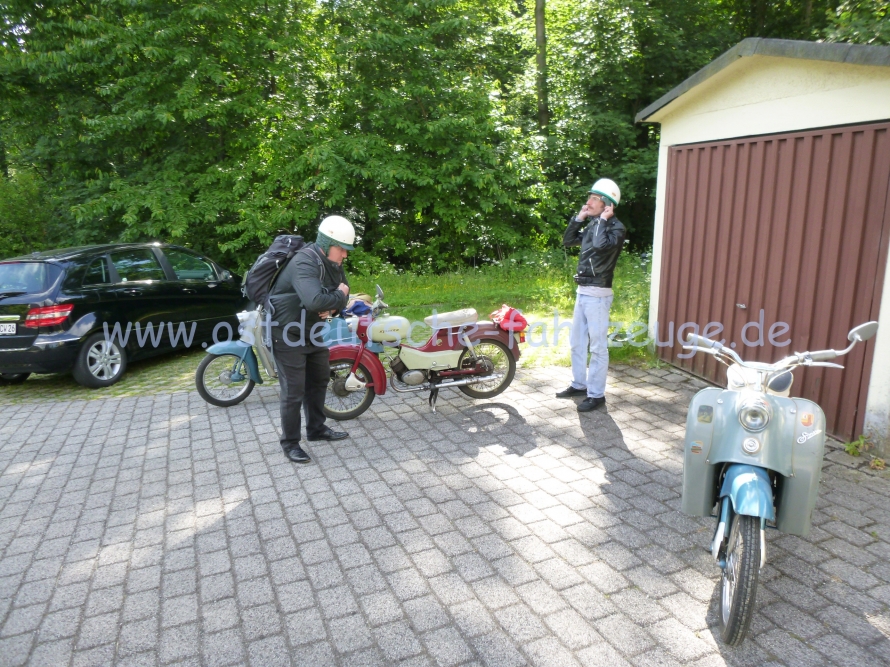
column 132, row 292
column 189, row 291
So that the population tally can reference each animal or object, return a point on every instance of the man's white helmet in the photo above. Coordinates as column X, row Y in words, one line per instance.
column 608, row 189
column 339, row 230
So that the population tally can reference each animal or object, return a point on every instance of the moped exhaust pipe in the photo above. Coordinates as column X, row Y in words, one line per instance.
column 426, row 386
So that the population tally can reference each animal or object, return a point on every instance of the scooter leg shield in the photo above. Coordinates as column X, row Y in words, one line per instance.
column 243, row 350
column 750, row 491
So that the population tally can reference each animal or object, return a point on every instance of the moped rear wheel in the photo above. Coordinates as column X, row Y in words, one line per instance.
column 738, row 586
column 223, row 380
column 339, row 402
column 499, row 358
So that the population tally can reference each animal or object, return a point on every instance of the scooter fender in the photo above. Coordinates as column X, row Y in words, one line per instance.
column 368, row 360
column 750, row 491
column 482, row 330
column 239, row 349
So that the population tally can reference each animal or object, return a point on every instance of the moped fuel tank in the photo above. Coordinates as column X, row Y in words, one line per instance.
column 389, row 329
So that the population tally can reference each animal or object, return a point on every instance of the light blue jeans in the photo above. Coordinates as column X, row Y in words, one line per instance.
column 590, row 331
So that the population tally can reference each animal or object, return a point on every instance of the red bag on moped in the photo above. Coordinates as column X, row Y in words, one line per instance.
column 509, row 319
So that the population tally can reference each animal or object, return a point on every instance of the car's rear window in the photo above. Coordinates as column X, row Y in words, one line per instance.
column 27, row 277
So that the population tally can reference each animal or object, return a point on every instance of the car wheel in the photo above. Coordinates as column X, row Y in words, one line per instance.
column 100, row 362
column 13, row 378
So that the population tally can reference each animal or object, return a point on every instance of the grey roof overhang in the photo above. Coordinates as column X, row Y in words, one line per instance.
column 854, row 54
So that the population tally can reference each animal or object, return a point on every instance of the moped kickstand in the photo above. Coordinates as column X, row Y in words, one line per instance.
column 434, row 394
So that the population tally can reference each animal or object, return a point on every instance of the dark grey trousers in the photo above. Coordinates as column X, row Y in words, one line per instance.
column 303, row 374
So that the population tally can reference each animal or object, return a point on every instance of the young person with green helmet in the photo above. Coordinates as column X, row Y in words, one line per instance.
column 601, row 237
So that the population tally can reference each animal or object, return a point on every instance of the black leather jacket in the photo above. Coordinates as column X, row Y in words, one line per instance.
column 309, row 281
column 601, row 242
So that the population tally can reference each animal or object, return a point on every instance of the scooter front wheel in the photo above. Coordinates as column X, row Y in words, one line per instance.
column 500, row 360
column 738, row 586
column 223, row 380
column 339, row 402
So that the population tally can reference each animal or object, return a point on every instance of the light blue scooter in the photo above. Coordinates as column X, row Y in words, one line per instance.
column 755, row 455
column 231, row 369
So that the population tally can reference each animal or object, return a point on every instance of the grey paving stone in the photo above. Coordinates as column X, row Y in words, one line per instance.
column 447, row 647
column 397, row 641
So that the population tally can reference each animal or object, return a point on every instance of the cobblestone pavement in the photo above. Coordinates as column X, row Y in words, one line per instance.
column 159, row 530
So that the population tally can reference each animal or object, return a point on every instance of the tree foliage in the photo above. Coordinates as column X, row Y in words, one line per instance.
column 215, row 123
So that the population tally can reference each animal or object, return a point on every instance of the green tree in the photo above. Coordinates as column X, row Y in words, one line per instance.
column 860, row 22
column 412, row 143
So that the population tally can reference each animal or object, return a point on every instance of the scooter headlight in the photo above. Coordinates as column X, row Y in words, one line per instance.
column 754, row 415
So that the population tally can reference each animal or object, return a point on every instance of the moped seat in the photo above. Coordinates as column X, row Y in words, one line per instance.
column 455, row 318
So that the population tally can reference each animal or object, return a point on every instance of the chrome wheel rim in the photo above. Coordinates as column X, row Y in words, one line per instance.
column 338, row 399
column 104, row 360
column 498, row 361
column 217, row 378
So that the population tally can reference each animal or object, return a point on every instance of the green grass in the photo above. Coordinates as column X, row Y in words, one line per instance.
column 536, row 285
column 541, row 287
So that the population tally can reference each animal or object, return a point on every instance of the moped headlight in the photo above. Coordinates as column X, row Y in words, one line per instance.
column 754, row 416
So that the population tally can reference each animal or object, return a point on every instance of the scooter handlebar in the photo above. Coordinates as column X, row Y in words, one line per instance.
column 699, row 341
column 823, row 355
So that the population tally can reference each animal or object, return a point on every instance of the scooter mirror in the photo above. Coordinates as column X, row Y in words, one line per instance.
column 379, row 292
column 863, row 332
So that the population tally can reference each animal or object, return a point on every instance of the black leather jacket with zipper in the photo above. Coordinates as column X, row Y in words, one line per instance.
column 601, row 242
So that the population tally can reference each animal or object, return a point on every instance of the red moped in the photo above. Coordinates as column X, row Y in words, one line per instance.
column 477, row 357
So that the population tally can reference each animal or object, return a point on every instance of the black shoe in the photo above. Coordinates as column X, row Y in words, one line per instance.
column 330, row 434
column 571, row 391
column 297, row 455
column 591, row 403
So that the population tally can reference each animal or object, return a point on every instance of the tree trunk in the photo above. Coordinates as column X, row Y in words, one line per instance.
column 541, row 42
column 4, row 167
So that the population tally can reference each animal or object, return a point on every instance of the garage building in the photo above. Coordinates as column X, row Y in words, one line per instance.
column 773, row 218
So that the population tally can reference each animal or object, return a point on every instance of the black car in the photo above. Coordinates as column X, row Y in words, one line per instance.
column 91, row 310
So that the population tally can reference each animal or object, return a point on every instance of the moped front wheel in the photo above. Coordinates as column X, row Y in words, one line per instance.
column 223, row 380
column 339, row 402
column 738, row 586
column 498, row 360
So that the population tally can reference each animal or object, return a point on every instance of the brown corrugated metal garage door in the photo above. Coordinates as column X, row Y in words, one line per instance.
column 796, row 225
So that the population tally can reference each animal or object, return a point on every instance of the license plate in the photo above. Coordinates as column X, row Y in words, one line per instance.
column 8, row 329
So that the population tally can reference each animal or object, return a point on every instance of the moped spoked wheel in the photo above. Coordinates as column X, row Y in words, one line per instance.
column 738, row 587
column 494, row 354
column 339, row 402
column 223, row 380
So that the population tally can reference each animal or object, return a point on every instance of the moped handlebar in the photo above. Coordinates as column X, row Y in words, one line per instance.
column 700, row 341
column 823, row 355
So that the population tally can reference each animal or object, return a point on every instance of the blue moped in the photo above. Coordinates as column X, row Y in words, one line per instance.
column 755, row 455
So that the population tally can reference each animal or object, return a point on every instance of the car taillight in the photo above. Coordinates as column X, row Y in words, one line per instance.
column 48, row 316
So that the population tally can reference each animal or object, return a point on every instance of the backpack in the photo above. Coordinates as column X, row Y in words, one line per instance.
column 258, row 281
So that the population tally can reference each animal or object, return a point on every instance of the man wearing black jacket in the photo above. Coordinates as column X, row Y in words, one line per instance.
column 601, row 237
column 312, row 285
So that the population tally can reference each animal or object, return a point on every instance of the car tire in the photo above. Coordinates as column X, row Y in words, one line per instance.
column 13, row 378
column 100, row 363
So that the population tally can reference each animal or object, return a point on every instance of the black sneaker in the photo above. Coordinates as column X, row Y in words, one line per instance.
column 571, row 391
column 591, row 403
